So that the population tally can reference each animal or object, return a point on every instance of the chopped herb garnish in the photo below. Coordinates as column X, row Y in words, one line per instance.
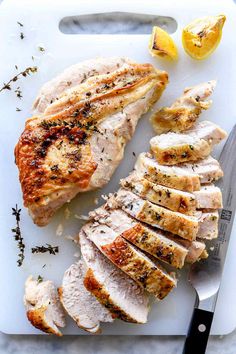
column 20, row 24
column 184, row 155
column 18, row 93
column 54, row 168
column 43, row 249
column 134, row 154
column 17, row 235
column 18, row 109
column 168, row 193
column 22, row 36
column 191, row 147
column 40, row 279
column 41, row 49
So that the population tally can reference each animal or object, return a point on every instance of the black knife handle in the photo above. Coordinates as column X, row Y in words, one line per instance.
column 198, row 333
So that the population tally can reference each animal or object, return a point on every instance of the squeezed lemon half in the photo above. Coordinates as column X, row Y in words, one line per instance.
column 162, row 45
column 201, row 37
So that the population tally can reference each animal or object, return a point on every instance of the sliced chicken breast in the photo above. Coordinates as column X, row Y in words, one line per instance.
column 185, row 110
column 180, row 224
column 170, row 176
column 115, row 290
column 208, row 197
column 43, row 307
column 194, row 144
column 196, row 249
column 173, row 199
column 208, row 131
column 208, row 170
column 130, row 260
column 186, row 177
column 78, row 302
column 78, row 140
column 208, row 226
column 165, row 246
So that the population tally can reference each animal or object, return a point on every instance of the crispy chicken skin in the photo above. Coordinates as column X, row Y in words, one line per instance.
column 75, row 143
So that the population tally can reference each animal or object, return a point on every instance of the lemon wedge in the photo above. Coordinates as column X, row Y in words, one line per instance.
column 201, row 37
column 162, row 45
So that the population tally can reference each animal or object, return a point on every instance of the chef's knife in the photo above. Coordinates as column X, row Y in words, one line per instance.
column 205, row 276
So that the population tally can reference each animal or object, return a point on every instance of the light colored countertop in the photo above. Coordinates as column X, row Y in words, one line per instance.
column 108, row 344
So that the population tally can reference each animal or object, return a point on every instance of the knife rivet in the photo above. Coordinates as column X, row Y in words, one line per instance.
column 202, row 328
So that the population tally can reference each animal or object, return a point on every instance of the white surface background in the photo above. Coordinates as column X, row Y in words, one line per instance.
column 168, row 345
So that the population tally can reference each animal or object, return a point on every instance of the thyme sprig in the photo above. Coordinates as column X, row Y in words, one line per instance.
column 17, row 235
column 24, row 73
column 43, row 249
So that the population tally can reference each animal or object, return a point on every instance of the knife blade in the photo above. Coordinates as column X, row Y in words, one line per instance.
column 205, row 276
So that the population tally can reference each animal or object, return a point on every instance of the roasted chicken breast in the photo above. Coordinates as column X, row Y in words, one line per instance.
column 185, row 110
column 192, row 145
column 43, row 308
column 76, row 138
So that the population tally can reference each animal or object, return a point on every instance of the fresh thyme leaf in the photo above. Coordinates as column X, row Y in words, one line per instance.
column 16, row 67
column 24, row 73
column 17, row 235
column 40, row 279
column 22, row 36
column 20, row 24
column 18, row 92
column 41, row 49
column 18, row 109
column 43, row 249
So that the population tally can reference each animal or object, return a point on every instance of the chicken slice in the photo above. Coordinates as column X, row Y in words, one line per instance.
column 208, row 197
column 152, row 277
column 163, row 245
column 185, row 177
column 194, row 144
column 173, row 199
column 208, row 170
column 170, row 176
column 43, row 307
column 78, row 140
column 153, row 241
column 185, row 110
column 115, row 290
column 208, row 226
column 180, row 224
column 78, row 302
column 196, row 249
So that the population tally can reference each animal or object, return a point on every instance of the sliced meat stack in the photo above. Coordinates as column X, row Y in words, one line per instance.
column 162, row 214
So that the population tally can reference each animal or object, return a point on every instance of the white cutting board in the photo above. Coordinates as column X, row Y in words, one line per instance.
column 41, row 19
